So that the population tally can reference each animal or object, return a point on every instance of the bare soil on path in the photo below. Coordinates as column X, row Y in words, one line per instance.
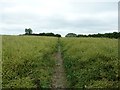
column 59, row 77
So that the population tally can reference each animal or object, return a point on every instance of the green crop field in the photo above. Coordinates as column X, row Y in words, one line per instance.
column 91, row 62
column 88, row 62
column 26, row 60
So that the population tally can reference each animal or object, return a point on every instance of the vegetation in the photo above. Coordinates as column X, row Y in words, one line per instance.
column 91, row 62
column 27, row 60
column 47, row 34
column 28, row 31
column 71, row 35
column 0, row 62
column 106, row 35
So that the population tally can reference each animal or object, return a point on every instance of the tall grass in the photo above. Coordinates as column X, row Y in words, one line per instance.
column 27, row 60
column 91, row 62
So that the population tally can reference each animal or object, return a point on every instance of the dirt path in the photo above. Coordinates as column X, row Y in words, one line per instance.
column 59, row 78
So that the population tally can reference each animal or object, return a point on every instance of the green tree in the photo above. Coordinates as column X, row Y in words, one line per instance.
column 71, row 35
column 28, row 31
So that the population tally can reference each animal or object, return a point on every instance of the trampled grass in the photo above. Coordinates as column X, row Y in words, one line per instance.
column 91, row 62
column 26, row 60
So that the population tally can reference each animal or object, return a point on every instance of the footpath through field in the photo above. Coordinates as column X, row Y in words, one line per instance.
column 59, row 77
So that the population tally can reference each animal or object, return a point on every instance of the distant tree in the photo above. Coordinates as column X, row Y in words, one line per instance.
column 71, row 35
column 49, row 34
column 58, row 35
column 41, row 34
column 105, row 35
column 81, row 35
column 28, row 31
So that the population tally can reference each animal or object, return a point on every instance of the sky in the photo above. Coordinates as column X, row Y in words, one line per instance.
column 58, row 16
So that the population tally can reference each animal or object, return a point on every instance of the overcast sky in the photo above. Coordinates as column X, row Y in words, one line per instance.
column 58, row 16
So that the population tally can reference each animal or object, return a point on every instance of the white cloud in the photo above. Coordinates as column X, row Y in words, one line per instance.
column 62, row 16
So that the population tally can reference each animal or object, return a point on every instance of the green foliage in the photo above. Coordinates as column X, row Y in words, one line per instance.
column 71, row 35
column 105, row 35
column 0, row 62
column 27, row 59
column 28, row 31
column 47, row 34
column 91, row 62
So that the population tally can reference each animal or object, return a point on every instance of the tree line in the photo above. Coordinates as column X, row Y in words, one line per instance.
column 30, row 32
column 106, row 35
